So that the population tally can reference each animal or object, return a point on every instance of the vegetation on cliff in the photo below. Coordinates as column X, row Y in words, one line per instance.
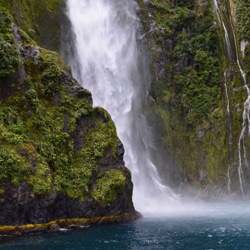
column 243, row 18
column 188, row 92
column 53, row 143
column 9, row 52
column 41, row 20
column 243, row 30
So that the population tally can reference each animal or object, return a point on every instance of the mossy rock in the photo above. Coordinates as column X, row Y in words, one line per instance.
column 9, row 51
column 55, row 146
column 41, row 20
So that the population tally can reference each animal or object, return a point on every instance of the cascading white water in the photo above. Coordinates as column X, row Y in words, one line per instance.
column 111, row 66
column 226, row 93
column 230, row 140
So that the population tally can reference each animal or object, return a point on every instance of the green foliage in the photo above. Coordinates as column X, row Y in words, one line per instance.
column 160, row 5
column 41, row 122
column 198, row 102
column 193, row 68
column 183, row 17
column 188, row 65
column 51, row 67
column 41, row 179
column 13, row 129
column 75, row 107
column 30, row 15
column 243, row 18
column 185, row 3
column 9, row 51
column 109, row 186
column 13, row 167
column 101, row 140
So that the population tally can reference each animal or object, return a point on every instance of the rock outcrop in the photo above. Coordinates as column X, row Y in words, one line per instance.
column 60, row 158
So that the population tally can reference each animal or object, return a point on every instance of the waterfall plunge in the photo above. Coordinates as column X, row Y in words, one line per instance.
column 109, row 63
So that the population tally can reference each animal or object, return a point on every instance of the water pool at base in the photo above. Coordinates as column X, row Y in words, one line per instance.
column 214, row 226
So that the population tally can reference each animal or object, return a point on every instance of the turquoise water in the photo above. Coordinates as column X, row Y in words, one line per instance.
column 213, row 228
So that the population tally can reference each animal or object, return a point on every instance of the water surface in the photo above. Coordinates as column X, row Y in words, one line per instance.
column 206, row 226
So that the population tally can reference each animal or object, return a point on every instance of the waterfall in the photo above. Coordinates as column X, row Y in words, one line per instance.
column 230, row 140
column 246, row 111
column 110, row 63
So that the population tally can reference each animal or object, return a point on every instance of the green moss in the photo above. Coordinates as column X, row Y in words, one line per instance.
column 243, row 18
column 98, row 142
column 9, row 51
column 247, row 59
column 13, row 167
column 102, row 138
column 68, row 223
column 51, row 136
column 75, row 107
column 189, row 108
column 41, row 20
column 193, row 70
column 13, row 130
column 51, row 67
column 109, row 186
column 41, row 179
column 161, row 5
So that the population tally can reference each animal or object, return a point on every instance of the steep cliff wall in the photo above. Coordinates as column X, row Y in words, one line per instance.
column 60, row 158
column 242, row 14
column 41, row 20
column 188, row 102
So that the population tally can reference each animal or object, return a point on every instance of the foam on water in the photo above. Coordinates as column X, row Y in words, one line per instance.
column 208, row 226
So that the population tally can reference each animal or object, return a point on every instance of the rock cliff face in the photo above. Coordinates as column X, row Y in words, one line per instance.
column 60, row 158
column 188, row 102
column 41, row 20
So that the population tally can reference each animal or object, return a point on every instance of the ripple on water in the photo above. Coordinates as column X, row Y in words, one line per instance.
column 229, row 229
